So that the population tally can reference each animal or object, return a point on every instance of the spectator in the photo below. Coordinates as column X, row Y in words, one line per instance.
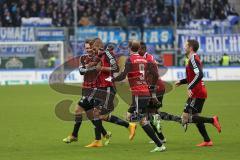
column 111, row 12
column 225, row 61
column 84, row 21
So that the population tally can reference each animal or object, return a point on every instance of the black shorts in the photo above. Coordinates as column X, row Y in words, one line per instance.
column 152, row 105
column 87, row 100
column 139, row 104
column 194, row 105
column 104, row 99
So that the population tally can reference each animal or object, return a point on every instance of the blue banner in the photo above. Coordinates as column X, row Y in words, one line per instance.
column 154, row 36
column 17, row 34
column 214, row 43
column 26, row 34
column 158, row 36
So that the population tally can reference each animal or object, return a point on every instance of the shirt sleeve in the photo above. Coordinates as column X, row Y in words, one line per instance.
column 81, row 61
column 183, row 81
column 153, row 70
column 197, row 70
column 123, row 74
column 112, row 60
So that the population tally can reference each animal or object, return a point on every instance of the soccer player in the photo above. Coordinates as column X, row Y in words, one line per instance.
column 88, row 69
column 197, row 94
column 106, row 90
column 157, row 86
column 135, row 67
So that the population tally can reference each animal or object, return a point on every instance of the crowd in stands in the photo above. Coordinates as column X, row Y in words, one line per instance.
column 113, row 12
column 205, row 9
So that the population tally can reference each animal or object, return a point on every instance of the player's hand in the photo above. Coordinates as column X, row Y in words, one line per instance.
column 189, row 93
column 98, row 67
column 178, row 83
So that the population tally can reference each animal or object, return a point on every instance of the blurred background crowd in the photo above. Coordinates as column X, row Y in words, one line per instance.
column 114, row 12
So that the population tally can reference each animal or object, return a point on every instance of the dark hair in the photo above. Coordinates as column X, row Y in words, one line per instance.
column 89, row 41
column 143, row 45
column 135, row 46
column 98, row 44
column 110, row 47
column 194, row 44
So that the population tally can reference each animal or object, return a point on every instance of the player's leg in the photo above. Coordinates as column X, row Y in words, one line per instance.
column 78, row 116
column 170, row 117
column 155, row 122
column 141, row 104
column 152, row 110
column 94, row 115
column 158, row 132
column 107, row 106
column 98, row 128
column 151, row 134
column 118, row 121
column 191, row 114
column 195, row 107
column 78, row 121
column 202, row 130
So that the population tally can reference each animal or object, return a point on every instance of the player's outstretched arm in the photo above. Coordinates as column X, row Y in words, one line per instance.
column 123, row 74
column 181, row 82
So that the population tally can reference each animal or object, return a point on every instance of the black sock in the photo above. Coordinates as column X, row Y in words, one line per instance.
column 150, row 132
column 170, row 117
column 159, row 134
column 202, row 130
column 103, row 130
column 98, row 129
column 78, row 122
column 198, row 119
column 116, row 120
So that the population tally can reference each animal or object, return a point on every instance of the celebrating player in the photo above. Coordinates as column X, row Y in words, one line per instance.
column 157, row 86
column 197, row 94
column 135, row 71
column 106, row 91
column 86, row 104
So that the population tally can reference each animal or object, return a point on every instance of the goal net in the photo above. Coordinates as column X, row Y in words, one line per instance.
column 30, row 62
column 30, row 55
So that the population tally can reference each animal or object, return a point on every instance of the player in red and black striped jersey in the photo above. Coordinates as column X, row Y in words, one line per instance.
column 105, row 93
column 157, row 86
column 197, row 93
column 135, row 69
column 87, row 68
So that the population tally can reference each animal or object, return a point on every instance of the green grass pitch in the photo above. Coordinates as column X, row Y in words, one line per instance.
column 29, row 128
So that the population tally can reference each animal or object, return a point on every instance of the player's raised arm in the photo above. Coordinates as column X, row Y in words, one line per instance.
column 112, row 61
column 123, row 74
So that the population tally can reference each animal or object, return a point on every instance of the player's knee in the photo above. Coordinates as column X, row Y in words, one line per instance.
column 105, row 117
column 77, row 110
column 128, row 116
column 144, row 121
